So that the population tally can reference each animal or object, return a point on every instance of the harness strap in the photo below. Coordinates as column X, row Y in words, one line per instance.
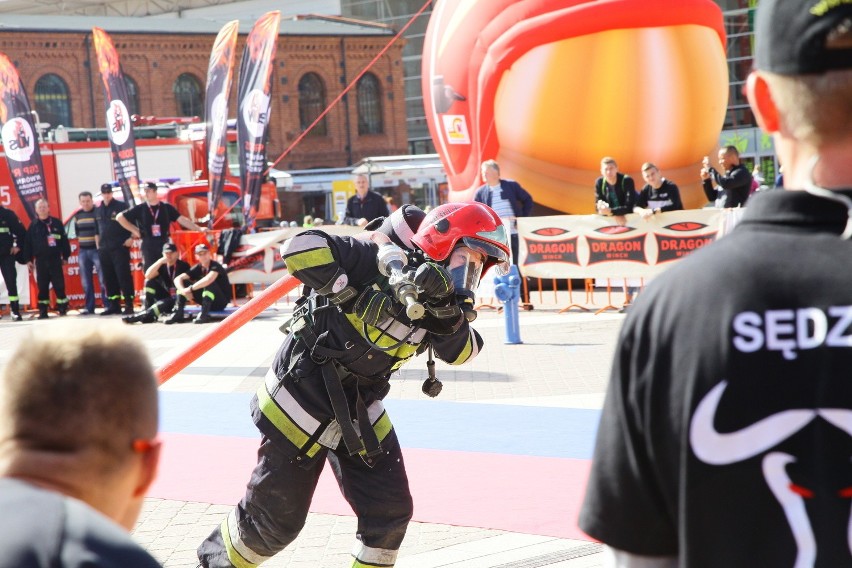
column 333, row 374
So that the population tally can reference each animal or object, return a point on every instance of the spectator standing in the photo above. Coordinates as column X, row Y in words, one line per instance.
column 86, row 229
column 365, row 205
column 510, row 201
column 729, row 189
column 47, row 246
column 78, row 448
column 160, row 287
column 757, row 179
column 206, row 283
column 725, row 437
column 114, row 242
column 151, row 221
column 658, row 194
column 615, row 193
column 12, row 236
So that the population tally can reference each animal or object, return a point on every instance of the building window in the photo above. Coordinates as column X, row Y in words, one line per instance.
column 188, row 97
column 311, row 104
column 369, row 105
column 52, row 100
column 132, row 95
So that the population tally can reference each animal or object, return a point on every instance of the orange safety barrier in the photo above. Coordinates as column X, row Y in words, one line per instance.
column 229, row 325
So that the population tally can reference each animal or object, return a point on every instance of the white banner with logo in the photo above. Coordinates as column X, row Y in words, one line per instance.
column 593, row 246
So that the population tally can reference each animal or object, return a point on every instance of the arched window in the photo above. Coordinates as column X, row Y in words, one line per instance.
column 188, row 95
column 52, row 100
column 132, row 95
column 369, row 95
column 312, row 103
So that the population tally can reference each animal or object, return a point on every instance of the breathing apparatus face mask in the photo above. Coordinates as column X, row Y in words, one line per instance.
column 465, row 266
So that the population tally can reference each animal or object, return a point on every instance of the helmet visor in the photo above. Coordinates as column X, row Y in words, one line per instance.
column 465, row 265
column 498, row 256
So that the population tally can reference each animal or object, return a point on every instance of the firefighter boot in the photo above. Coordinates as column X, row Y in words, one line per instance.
column 113, row 307
column 128, row 306
column 16, row 311
column 178, row 315
column 42, row 311
column 145, row 316
column 62, row 308
column 204, row 315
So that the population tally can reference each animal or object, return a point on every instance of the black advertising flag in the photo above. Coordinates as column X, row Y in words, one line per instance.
column 220, row 72
column 20, row 142
column 119, row 127
column 253, row 108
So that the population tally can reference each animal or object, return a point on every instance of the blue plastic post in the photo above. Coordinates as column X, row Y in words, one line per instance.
column 507, row 289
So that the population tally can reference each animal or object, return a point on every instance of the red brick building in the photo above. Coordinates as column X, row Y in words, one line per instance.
column 166, row 60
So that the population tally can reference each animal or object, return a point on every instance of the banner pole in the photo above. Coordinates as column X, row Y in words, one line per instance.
column 228, row 326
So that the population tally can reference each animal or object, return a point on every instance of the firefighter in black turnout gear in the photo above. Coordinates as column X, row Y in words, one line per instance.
column 160, row 288
column 322, row 398
column 206, row 283
column 12, row 235
column 46, row 244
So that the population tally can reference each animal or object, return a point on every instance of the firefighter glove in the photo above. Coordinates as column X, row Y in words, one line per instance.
column 433, row 281
column 372, row 306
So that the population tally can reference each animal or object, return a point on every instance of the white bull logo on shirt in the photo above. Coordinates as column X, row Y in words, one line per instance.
column 717, row 448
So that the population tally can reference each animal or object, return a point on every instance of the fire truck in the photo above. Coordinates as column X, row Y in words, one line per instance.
column 170, row 151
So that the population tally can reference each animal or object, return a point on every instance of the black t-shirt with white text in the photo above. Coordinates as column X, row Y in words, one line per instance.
column 726, row 434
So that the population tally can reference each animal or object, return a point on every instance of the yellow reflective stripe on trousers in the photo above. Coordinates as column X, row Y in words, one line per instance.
column 369, row 557
column 234, row 557
column 283, row 422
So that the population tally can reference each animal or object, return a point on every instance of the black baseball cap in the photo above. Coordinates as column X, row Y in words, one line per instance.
column 803, row 37
column 169, row 247
column 106, row 188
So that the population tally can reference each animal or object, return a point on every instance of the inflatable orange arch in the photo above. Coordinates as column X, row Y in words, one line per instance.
column 549, row 87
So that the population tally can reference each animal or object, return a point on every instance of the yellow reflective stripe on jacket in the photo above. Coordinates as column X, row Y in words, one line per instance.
column 386, row 339
column 382, row 428
column 470, row 351
column 283, row 422
column 308, row 259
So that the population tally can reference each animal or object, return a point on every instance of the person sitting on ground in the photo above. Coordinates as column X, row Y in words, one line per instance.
column 78, row 448
column 207, row 283
column 160, row 289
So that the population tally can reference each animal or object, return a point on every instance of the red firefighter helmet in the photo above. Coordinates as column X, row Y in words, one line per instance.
column 474, row 225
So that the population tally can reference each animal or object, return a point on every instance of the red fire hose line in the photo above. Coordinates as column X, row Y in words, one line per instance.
column 229, row 325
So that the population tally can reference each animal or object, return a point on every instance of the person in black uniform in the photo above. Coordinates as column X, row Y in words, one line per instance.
column 730, row 189
column 349, row 333
column 114, row 242
column 365, row 205
column 151, row 221
column 206, row 283
column 47, row 244
column 658, row 195
column 726, row 434
column 160, row 288
column 12, row 234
